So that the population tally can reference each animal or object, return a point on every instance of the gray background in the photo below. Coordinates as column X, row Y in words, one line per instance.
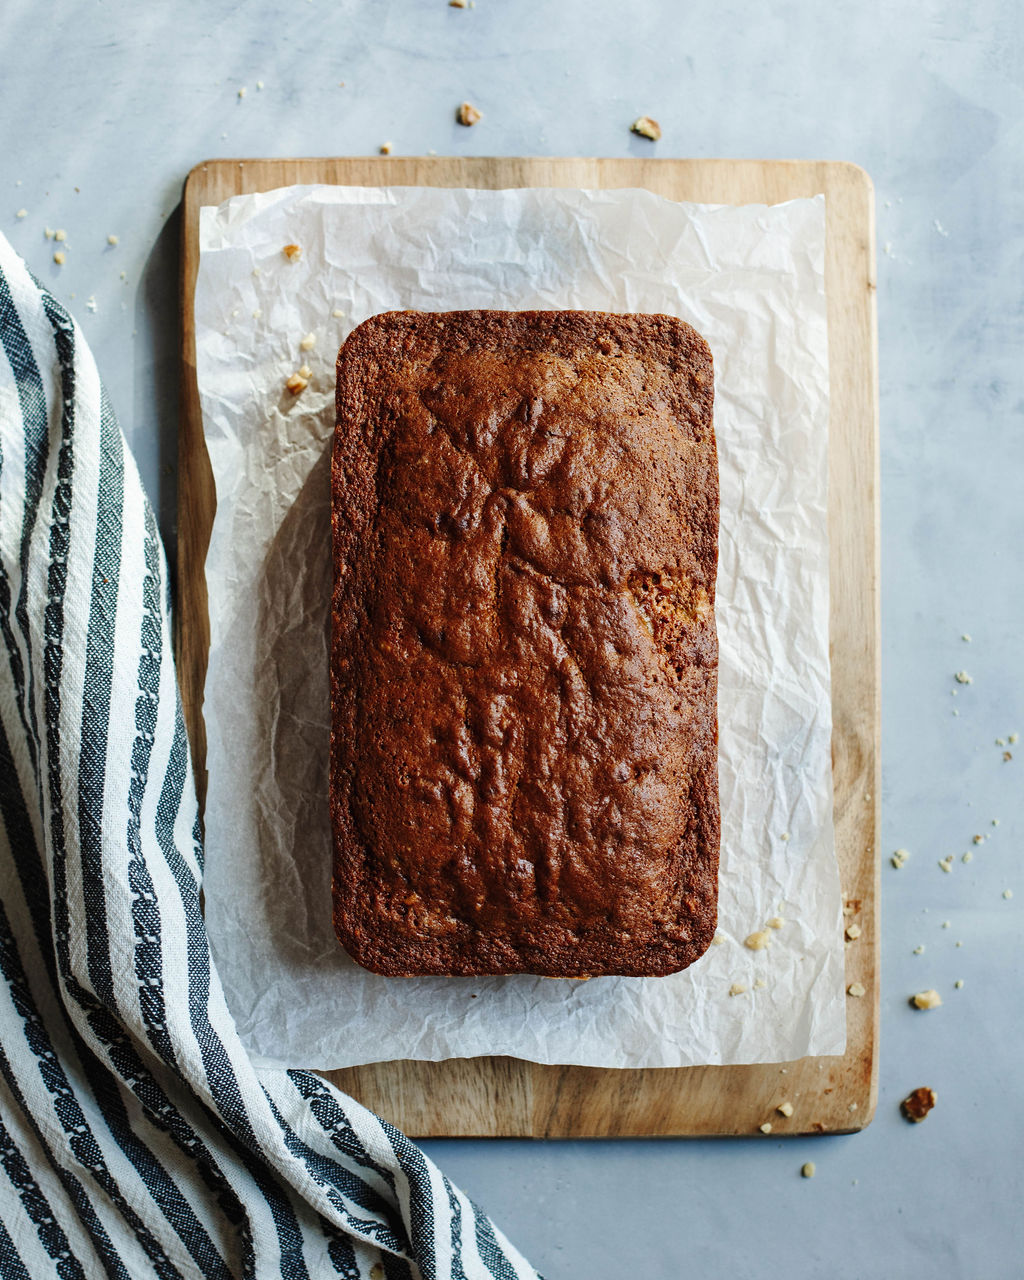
column 104, row 107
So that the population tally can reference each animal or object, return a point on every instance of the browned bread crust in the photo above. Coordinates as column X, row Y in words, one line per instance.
column 524, row 764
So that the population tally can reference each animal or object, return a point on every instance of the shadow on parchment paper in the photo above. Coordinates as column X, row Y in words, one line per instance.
column 294, row 855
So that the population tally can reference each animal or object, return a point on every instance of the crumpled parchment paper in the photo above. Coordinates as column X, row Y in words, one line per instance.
column 751, row 280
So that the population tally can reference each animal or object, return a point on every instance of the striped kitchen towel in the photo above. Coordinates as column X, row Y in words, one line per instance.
column 137, row 1139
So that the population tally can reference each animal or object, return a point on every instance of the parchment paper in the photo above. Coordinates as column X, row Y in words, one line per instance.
column 751, row 280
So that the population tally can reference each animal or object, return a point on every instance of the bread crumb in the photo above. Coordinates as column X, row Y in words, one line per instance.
column 784, row 836
column 1000, row 742
column 961, row 677
column 1013, row 738
column 946, row 863
column 338, row 314
column 945, row 924
column 305, row 372
column 853, row 1106
column 785, row 1109
column 457, row 4
column 776, row 922
column 241, row 92
column 766, row 1127
column 293, row 252
column 297, row 383
column 853, row 932
column 967, row 857
column 386, row 148
column 1007, row 755
column 49, row 232
column 857, row 990
column 22, row 213
column 257, row 313
column 718, row 939
column 1007, row 894
column 915, row 1106
column 808, row 1170
column 757, row 941
column 59, row 258
column 978, row 839
column 646, row 127
column 308, row 342
column 259, row 84
column 737, row 989
column 900, row 857
column 958, row 943
column 959, row 984
column 467, row 114
column 60, row 234
column 760, row 984
column 919, row 950
column 929, row 999
column 995, row 822
column 91, row 303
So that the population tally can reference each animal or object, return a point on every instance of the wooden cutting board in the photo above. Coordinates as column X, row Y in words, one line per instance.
column 505, row 1096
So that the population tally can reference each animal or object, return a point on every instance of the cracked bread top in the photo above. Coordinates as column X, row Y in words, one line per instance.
column 524, row 765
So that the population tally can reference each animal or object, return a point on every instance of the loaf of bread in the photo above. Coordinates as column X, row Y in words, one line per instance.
column 524, row 764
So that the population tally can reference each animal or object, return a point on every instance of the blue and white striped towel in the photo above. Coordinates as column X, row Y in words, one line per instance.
column 136, row 1137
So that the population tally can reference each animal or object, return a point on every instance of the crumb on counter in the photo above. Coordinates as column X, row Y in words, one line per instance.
column 961, row 677
column 91, row 303
column 22, row 213
column 946, row 863
column 386, row 148
column 457, row 4
column 784, row 836
column 49, row 232
column 646, row 127
column 785, row 1109
column 59, row 258
column 978, row 839
column 966, row 636
column 809, row 1169
column 466, row 114
column 60, row 234
column 758, row 940
column 929, row 999
column 967, row 857
column 259, row 84
column 1007, row 756
column 1007, row 894
column 900, row 857
column 737, row 989
column 959, row 984
column 293, row 252
column 857, row 990
column 241, row 92
column 919, row 950
column 296, row 383
column 1013, row 739
column 946, row 924
column 915, row 1106
column 113, row 241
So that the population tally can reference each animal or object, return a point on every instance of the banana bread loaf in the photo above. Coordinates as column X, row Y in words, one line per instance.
column 524, row 766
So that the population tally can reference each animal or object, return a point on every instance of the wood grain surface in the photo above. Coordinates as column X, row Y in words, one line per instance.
column 506, row 1096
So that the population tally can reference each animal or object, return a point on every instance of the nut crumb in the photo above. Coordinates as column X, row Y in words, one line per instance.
column 946, row 863
column 59, row 258
column 1007, row 755
column 808, row 1170
column 961, row 677
column 60, row 234
column 737, row 989
column 915, row 1106
column 776, row 922
column 900, row 857
column 785, row 1109
column 467, row 114
column 757, row 941
column 457, row 4
column 293, row 252
column 959, row 984
column 308, row 342
column 766, row 1127
column 929, row 999
column 853, row 932
column 857, row 990
column 386, row 148
column 297, row 383
column 646, row 127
